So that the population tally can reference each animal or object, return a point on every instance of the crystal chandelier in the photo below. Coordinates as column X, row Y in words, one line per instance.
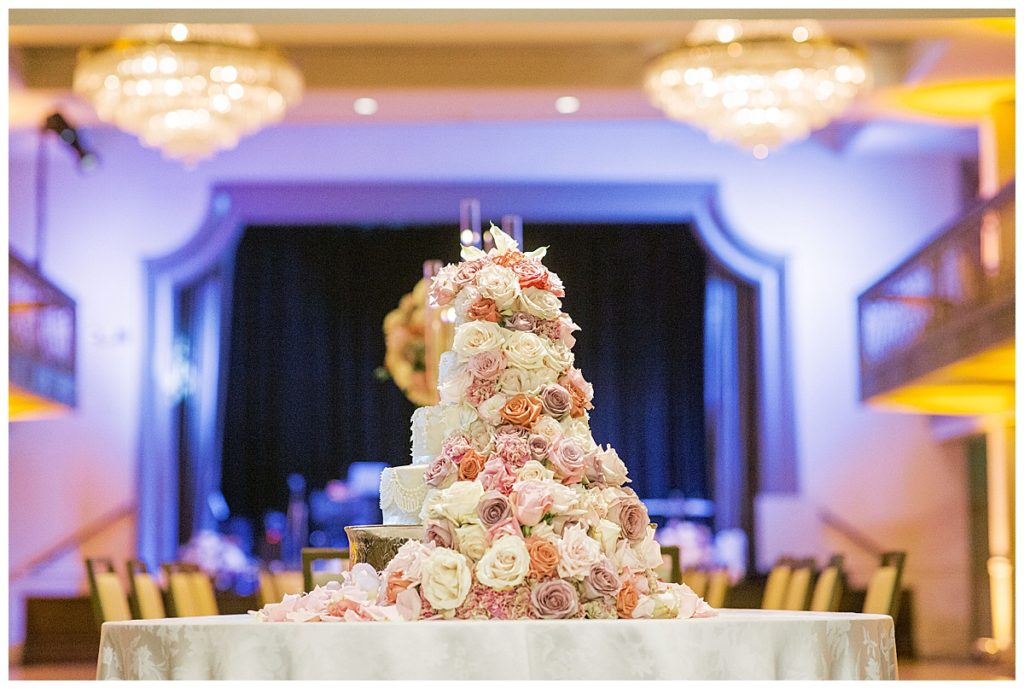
column 759, row 84
column 189, row 90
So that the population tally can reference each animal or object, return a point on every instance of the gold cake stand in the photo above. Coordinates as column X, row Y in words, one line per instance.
column 376, row 544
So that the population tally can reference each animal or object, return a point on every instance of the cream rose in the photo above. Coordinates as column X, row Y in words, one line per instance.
column 463, row 301
column 453, row 390
column 458, row 502
column 612, row 467
column 518, row 381
column 455, row 418
column 534, row 471
column 540, row 303
column 648, row 551
column 498, row 283
column 577, row 553
column 525, row 350
column 472, row 540
column 545, row 531
column 564, row 499
column 558, row 358
column 505, row 564
column 579, row 430
column 607, row 533
column 446, row 578
column 490, row 409
column 477, row 336
column 480, row 436
column 547, row 427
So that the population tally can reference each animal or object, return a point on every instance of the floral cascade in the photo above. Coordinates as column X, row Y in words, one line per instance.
column 529, row 517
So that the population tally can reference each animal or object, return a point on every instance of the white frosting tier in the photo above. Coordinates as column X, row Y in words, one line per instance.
column 446, row 366
column 402, row 492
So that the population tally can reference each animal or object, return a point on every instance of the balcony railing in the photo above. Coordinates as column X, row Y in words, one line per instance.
column 951, row 299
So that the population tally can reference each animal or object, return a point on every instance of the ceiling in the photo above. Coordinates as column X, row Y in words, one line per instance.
column 443, row 65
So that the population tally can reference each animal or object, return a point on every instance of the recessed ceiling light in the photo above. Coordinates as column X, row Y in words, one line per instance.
column 365, row 106
column 567, row 105
column 179, row 32
column 760, row 151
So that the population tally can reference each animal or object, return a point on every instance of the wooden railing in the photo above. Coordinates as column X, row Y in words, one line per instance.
column 951, row 299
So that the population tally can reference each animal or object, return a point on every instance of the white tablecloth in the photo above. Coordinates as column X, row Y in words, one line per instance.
column 738, row 644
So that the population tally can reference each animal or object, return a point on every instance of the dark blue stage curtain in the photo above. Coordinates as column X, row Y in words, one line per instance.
column 308, row 304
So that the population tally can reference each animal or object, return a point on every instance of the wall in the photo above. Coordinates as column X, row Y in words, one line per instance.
column 842, row 219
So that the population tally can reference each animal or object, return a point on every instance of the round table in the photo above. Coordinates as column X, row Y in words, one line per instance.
column 738, row 644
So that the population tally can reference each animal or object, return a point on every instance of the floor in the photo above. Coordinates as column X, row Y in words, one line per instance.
column 909, row 670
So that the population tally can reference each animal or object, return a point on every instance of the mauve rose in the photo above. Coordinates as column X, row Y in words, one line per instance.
column 511, row 429
column 602, row 580
column 493, row 509
column 440, row 533
column 496, row 476
column 593, row 469
column 531, row 273
column 556, row 400
column 631, row 516
column 439, row 471
column 539, row 446
column 486, row 365
column 548, row 329
column 567, row 459
column 512, row 449
column 521, row 321
column 554, row 599
column 478, row 391
column 483, row 309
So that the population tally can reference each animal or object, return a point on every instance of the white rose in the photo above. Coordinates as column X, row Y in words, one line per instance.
column 458, row 502
column 612, row 466
column 446, row 578
column 518, row 381
column 455, row 418
column 648, row 551
column 577, row 553
column 498, row 283
column 463, row 301
column 453, row 390
column 579, row 430
column 644, row 608
column 534, row 471
column 547, row 427
column 480, row 436
column 564, row 498
column 505, row 564
column 472, row 539
column 545, row 531
column 490, row 409
column 540, row 303
column 525, row 350
column 477, row 336
column 625, row 558
column 559, row 358
column 607, row 534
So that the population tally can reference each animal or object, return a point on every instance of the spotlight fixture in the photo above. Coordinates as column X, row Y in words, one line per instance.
column 87, row 160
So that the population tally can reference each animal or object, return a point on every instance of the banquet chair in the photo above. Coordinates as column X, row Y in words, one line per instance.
column 883, row 594
column 697, row 580
column 109, row 600
column 775, row 588
column 312, row 579
column 288, row 581
column 144, row 594
column 718, row 588
column 798, row 588
column 268, row 589
column 828, row 589
column 670, row 569
column 190, row 590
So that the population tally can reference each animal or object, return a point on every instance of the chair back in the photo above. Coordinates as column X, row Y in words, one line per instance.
column 145, row 596
column 310, row 578
column 670, row 569
column 697, row 580
column 288, row 582
column 775, row 587
column 798, row 588
column 190, row 590
column 828, row 590
column 109, row 600
column 883, row 594
column 718, row 588
column 268, row 589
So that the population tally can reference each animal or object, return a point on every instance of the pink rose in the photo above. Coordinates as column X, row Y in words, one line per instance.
column 555, row 285
column 539, row 446
column 531, row 500
column 512, row 449
column 593, row 469
column 511, row 429
column 493, row 509
column 554, row 599
column 440, row 472
column 523, row 322
column 496, row 476
column 556, row 400
column 565, row 331
column 506, row 527
column 531, row 273
column 568, row 460
column 631, row 516
column 479, row 391
column 441, row 533
column 575, row 377
column 454, row 446
column 466, row 272
column 443, row 287
column 602, row 581
column 486, row 365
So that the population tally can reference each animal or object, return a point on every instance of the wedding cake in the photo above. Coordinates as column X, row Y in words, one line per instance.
column 523, row 514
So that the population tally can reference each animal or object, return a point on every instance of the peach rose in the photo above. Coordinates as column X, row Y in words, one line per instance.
column 522, row 410
column 483, row 309
column 543, row 557
column 470, row 465
column 531, row 273
column 579, row 401
column 626, row 599
column 508, row 259
column 396, row 584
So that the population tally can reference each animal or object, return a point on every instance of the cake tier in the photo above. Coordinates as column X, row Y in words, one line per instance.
column 402, row 492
